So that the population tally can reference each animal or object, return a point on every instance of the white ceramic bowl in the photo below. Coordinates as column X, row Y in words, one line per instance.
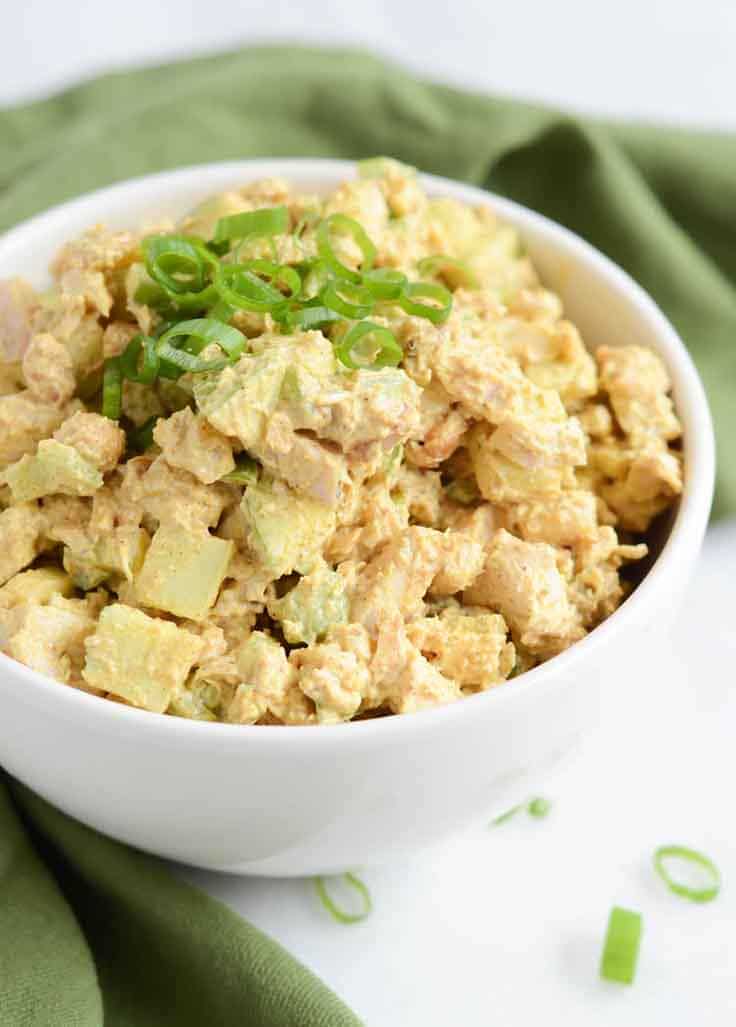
column 290, row 801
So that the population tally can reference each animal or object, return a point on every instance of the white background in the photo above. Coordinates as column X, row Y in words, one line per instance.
column 503, row 929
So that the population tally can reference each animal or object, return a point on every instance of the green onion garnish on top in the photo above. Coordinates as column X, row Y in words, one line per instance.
column 368, row 345
column 243, row 286
column 384, row 283
column 341, row 224
column 346, row 298
column 307, row 318
column 342, row 915
column 253, row 223
column 436, row 312
column 621, row 947
column 182, row 266
column 139, row 360
column 666, row 860
column 208, row 283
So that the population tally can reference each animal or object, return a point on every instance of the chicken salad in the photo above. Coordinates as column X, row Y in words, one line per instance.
column 304, row 459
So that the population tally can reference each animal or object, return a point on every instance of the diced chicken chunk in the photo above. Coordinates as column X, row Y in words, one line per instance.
column 305, row 464
column 471, row 647
column 461, row 562
column 47, row 370
column 398, row 577
column 523, row 581
column 100, row 441
column 334, row 679
column 21, row 529
column 17, row 303
column 170, row 495
column 566, row 519
column 596, row 590
column 553, row 356
column 652, row 479
column 51, row 637
column 24, row 421
column 98, row 249
column 268, row 685
column 637, row 384
column 524, row 459
column 187, row 441
column 373, row 407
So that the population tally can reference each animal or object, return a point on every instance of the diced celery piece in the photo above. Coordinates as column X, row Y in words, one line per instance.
column 287, row 531
column 55, row 468
column 312, row 606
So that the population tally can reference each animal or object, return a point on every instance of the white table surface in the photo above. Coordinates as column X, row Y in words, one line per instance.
column 504, row 928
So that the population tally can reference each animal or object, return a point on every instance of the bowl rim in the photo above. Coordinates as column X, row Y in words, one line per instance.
column 684, row 536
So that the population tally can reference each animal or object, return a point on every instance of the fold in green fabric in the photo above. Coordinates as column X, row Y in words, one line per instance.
column 89, row 925
column 86, row 923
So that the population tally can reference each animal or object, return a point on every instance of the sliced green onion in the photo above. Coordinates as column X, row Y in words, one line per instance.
column 132, row 367
column 245, row 472
column 221, row 311
column 503, row 817
column 306, row 318
column 539, row 807
column 150, row 294
column 167, row 305
column 218, row 248
column 341, row 223
column 267, row 221
column 197, row 334
column 344, row 916
column 680, row 853
column 621, row 947
column 141, row 438
column 112, row 389
column 428, row 290
column 203, row 331
column 240, row 286
column 384, row 283
column 457, row 272
column 368, row 345
column 348, row 299
column 315, row 276
column 181, row 265
column 175, row 362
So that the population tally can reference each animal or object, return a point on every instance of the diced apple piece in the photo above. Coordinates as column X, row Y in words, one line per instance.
column 139, row 658
column 183, row 571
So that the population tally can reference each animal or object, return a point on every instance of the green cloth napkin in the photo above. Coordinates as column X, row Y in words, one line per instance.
column 90, row 926
column 87, row 923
